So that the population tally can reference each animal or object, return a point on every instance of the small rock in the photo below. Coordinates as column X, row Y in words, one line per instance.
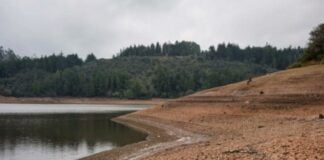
column 207, row 144
column 321, row 116
column 284, row 146
column 249, row 81
column 286, row 153
column 260, row 126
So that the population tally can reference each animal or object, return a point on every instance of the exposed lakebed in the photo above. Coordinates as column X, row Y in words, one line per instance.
column 59, row 131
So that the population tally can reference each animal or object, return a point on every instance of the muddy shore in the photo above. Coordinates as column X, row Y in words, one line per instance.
column 73, row 100
column 222, row 133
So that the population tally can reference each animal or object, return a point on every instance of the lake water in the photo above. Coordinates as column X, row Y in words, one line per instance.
column 62, row 132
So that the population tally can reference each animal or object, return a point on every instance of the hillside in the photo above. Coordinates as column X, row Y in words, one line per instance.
column 275, row 116
column 289, row 87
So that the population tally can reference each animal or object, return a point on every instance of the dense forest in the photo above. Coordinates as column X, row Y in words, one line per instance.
column 166, row 71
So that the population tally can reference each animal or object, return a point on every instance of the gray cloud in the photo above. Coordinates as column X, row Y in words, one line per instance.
column 37, row 27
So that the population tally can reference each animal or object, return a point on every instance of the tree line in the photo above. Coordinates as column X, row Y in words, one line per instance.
column 167, row 71
column 183, row 48
column 11, row 64
column 269, row 55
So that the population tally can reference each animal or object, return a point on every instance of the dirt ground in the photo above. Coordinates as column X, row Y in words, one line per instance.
column 276, row 116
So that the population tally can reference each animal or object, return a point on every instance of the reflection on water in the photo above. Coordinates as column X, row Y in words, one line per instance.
column 61, row 135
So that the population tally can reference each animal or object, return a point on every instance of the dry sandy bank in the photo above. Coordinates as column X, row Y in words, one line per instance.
column 274, row 117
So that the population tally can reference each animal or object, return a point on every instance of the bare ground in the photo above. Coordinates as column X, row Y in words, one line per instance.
column 276, row 116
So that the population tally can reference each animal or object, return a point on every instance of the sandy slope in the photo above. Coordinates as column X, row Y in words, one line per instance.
column 274, row 117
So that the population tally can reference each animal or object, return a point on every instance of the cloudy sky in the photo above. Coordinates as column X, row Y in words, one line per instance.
column 40, row 27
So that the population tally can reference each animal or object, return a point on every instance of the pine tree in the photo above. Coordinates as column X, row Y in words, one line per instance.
column 91, row 57
column 315, row 49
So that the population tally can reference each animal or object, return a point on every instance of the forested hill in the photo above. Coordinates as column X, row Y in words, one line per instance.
column 166, row 71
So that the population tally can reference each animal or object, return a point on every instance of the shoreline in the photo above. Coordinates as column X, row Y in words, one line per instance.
column 74, row 100
column 170, row 139
column 155, row 134
column 277, row 116
column 160, row 137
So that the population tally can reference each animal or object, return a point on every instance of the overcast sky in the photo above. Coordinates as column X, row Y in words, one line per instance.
column 42, row 27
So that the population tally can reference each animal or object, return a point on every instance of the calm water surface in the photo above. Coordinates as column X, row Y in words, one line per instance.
column 62, row 132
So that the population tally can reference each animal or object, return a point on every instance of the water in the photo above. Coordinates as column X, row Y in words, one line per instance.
column 64, row 132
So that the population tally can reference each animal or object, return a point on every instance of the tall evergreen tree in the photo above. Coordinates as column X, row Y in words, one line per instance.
column 158, row 49
column 90, row 58
column 315, row 48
